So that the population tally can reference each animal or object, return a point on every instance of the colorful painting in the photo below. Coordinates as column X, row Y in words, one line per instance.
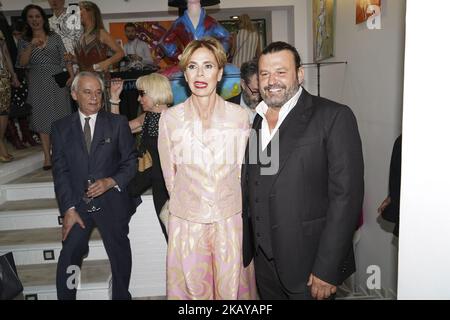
column 151, row 32
column 362, row 12
column 148, row 31
column 323, row 28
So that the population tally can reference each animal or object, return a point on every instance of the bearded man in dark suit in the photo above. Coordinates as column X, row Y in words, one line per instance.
column 302, row 187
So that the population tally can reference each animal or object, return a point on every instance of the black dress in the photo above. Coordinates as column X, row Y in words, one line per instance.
column 149, row 142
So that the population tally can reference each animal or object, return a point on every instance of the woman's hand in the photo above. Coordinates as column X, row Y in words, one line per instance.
column 116, row 88
column 37, row 42
column 15, row 81
column 101, row 66
column 69, row 81
column 69, row 58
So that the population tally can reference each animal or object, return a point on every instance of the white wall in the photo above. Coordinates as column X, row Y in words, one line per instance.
column 372, row 85
column 424, row 259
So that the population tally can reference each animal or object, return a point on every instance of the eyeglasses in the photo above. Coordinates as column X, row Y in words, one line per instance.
column 141, row 93
column 254, row 92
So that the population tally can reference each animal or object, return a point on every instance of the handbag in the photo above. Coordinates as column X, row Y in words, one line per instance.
column 145, row 162
column 143, row 177
column 10, row 284
column 19, row 107
column 61, row 78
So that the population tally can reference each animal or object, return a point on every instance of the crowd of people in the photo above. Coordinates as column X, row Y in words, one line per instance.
column 262, row 193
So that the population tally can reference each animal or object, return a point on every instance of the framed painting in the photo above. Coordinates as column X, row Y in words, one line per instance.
column 362, row 13
column 323, row 29
column 148, row 31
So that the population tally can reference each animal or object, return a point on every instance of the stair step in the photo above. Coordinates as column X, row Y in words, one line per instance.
column 39, row 281
column 27, row 191
column 36, row 176
column 28, row 214
column 36, row 246
column 25, row 161
column 37, row 184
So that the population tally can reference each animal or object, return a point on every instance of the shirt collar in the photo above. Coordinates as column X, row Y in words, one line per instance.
column 83, row 116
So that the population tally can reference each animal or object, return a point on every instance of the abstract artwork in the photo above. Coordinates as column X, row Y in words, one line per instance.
column 323, row 28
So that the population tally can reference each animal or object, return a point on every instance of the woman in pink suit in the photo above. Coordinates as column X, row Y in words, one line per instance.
column 201, row 144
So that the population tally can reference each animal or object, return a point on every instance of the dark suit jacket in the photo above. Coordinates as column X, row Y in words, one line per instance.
column 112, row 154
column 315, row 196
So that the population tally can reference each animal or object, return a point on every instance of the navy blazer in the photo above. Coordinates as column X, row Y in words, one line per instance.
column 113, row 154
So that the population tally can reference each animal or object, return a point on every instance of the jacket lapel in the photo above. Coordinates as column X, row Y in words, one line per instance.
column 290, row 131
column 99, row 132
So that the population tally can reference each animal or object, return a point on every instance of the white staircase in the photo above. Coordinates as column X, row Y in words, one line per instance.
column 30, row 228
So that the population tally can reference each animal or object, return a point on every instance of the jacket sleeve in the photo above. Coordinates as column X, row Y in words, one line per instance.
column 128, row 155
column 166, row 155
column 345, row 194
column 61, row 173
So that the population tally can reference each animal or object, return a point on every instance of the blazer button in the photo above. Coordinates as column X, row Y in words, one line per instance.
column 258, row 235
column 256, row 183
column 257, row 200
column 257, row 218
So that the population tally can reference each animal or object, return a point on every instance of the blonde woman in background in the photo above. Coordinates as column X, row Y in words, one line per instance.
column 155, row 96
column 246, row 44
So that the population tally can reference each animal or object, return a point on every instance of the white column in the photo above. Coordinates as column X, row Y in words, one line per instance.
column 424, row 248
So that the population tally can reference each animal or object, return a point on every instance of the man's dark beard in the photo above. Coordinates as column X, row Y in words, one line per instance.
column 287, row 96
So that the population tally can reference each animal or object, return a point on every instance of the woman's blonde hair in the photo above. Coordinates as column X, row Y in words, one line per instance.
column 246, row 23
column 209, row 43
column 96, row 14
column 157, row 87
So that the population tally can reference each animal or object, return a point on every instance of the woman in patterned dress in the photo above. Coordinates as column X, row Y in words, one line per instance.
column 201, row 145
column 7, row 78
column 42, row 53
column 155, row 95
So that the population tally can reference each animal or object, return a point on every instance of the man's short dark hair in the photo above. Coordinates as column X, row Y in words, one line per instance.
column 128, row 25
column 280, row 46
column 248, row 69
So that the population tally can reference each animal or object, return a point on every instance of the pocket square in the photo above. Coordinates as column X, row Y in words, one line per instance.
column 106, row 140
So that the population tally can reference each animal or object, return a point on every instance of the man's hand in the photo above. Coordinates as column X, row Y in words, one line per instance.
column 384, row 204
column 100, row 186
column 320, row 289
column 70, row 218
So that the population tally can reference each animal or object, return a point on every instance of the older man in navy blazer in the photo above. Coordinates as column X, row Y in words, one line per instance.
column 98, row 146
